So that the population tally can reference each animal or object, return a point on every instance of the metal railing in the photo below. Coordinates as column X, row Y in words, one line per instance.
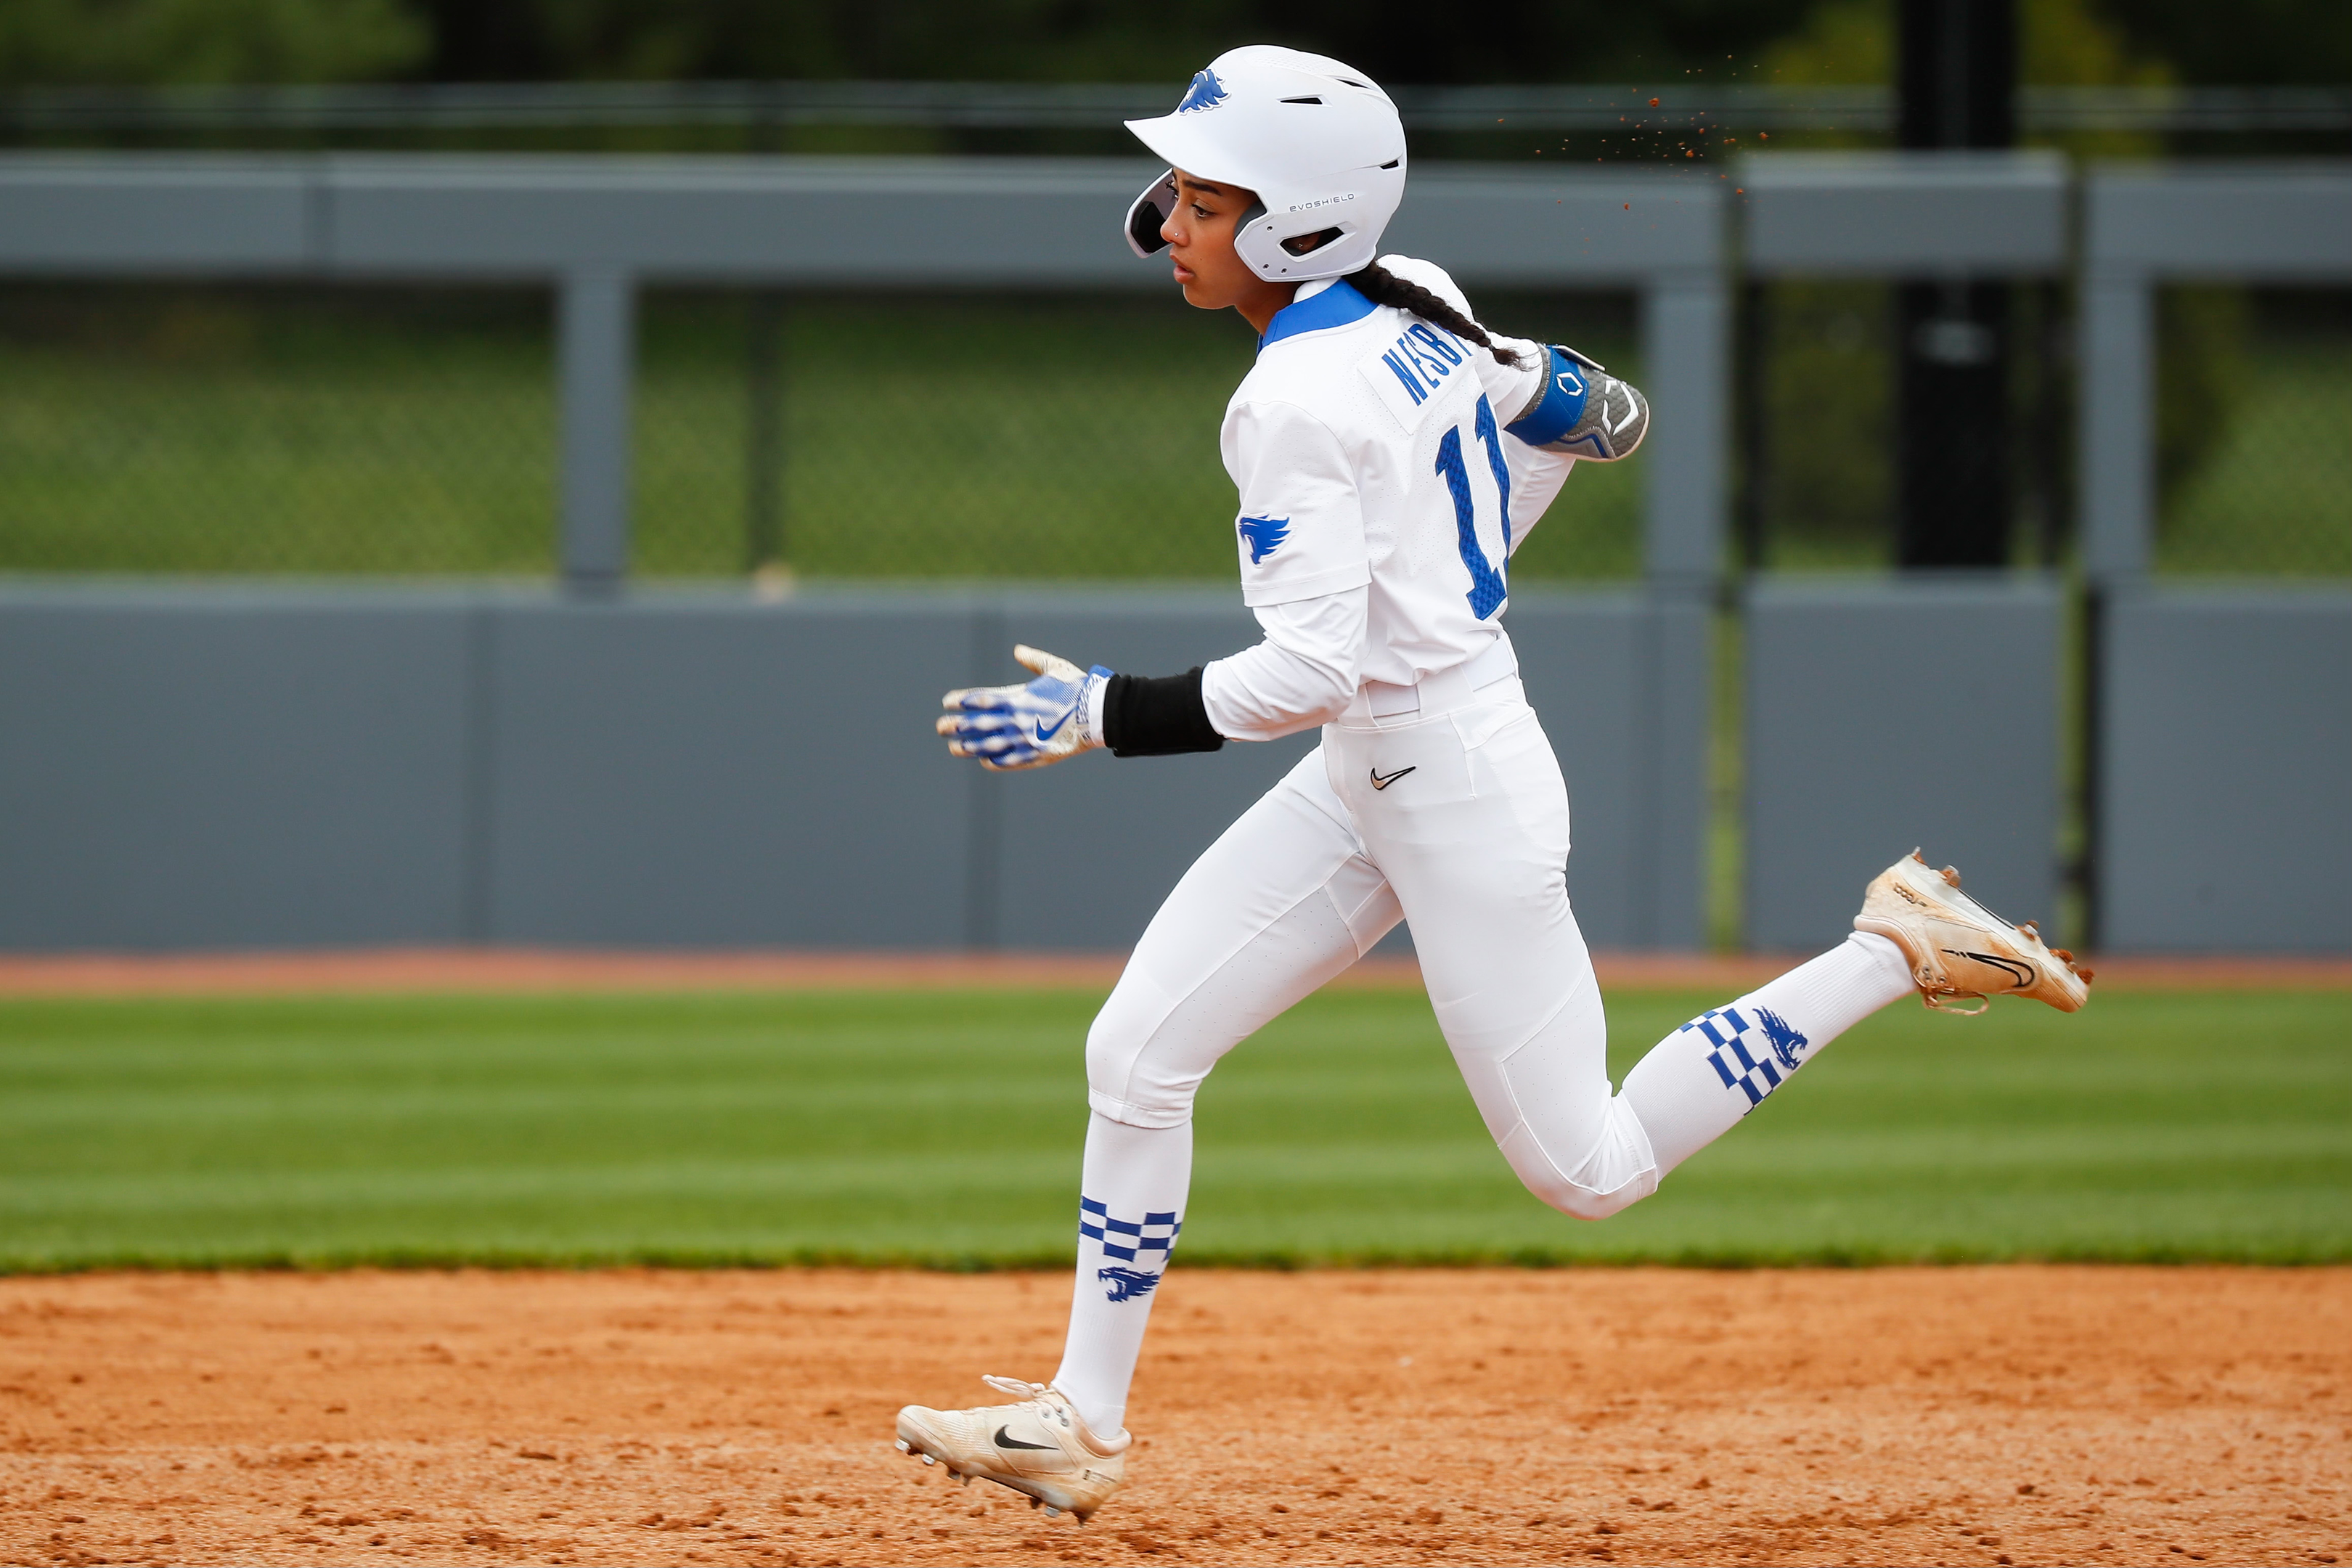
column 1094, row 105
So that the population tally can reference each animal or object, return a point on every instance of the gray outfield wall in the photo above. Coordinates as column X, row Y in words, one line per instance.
column 2225, row 736
column 264, row 768
column 1884, row 717
column 1927, row 712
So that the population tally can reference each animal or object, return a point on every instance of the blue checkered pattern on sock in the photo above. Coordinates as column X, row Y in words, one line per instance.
column 1748, row 1048
column 1123, row 1238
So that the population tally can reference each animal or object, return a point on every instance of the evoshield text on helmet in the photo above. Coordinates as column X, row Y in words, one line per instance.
column 1319, row 143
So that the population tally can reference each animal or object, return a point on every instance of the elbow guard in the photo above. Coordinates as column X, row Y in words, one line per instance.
column 1583, row 411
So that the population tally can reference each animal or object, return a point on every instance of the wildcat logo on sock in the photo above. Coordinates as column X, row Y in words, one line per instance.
column 1126, row 1284
column 1729, row 1033
column 1785, row 1041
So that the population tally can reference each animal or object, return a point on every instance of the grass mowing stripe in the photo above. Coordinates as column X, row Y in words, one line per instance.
column 944, row 1128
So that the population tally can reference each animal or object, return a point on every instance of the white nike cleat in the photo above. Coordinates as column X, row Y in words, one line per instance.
column 1956, row 947
column 1039, row 1447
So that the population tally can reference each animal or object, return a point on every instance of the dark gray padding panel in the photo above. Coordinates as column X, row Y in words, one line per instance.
column 2227, row 773
column 1089, row 848
column 1620, row 681
column 2289, row 219
column 1589, row 663
column 193, row 767
column 227, row 770
column 1582, row 664
column 1882, row 715
column 93, row 214
column 1878, row 213
column 859, row 221
column 718, row 772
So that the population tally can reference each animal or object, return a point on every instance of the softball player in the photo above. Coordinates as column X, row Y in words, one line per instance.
column 1390, row 455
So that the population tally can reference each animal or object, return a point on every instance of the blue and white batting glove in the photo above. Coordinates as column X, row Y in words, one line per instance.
column 1013, row 727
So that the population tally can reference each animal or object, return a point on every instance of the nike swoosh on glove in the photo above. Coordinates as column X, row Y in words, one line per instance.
column 1008, row 728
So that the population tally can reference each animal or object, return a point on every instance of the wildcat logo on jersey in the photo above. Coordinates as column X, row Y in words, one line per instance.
column 1206, row 92
column 1264, row 535
column 1126, row 1284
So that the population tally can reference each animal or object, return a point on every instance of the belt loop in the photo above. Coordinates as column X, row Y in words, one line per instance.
column 1442, row 692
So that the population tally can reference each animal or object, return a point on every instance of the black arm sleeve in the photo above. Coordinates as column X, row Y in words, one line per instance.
column 1157, row 716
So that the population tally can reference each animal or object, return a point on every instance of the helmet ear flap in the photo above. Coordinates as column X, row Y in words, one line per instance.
column 1151, row 209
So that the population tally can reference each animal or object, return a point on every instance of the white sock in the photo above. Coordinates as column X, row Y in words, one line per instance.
column 1130, row 1209
column 1698, row 1082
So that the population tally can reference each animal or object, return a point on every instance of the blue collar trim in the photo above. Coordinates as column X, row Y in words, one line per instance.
column 1334, row 306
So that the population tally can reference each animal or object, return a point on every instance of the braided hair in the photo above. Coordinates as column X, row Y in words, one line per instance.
column 1382, row 286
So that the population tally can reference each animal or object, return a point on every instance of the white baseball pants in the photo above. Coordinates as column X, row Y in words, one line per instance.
column 1469, row 838
column 1454, row 815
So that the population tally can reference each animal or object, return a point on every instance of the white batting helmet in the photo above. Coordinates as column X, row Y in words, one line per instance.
column 1317, row 140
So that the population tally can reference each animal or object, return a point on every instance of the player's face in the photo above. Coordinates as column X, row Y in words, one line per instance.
column 1199, row 236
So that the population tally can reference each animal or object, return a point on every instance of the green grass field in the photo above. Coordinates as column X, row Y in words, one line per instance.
column 944, row 1129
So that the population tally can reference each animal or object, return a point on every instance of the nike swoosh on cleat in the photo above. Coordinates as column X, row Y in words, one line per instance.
column 2024, row 971
column 1006, row 1439
column 1380, row 783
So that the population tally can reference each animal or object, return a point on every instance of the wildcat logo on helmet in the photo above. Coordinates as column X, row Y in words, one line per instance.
column 1321, row 147
column 1206, row 92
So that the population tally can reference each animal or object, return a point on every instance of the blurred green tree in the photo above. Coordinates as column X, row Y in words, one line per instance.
column 142, row 41
column 2247, row 42
column 2068, row 42
column 1513, row 40
column 147, row 42
column 1083, row 40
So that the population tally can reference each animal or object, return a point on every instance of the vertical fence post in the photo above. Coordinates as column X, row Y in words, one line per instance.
column 984, row 909
column 597, row 334
column 2118, row 500
column 2118, row 424
column 1686, row 327
column 1751, row 408
column 763, row 531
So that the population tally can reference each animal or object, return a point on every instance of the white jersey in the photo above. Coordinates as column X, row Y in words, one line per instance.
column 1381, row 501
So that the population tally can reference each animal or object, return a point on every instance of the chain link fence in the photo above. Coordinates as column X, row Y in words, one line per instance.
column 240, row 430
column 163, row 429
column 2255, row 431
column 1818, row 409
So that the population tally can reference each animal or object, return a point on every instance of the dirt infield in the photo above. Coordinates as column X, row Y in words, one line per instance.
column 2008, row 1415
column 397, row 969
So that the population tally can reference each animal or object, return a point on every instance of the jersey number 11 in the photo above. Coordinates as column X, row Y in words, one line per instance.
column 1488, row 588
